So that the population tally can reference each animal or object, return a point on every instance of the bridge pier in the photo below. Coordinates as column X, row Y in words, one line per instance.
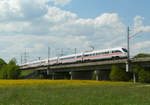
column 101, row 74
column 70, row 75
column 96, row 72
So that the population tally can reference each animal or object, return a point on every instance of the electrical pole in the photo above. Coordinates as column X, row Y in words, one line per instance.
column 62, row 51
column 128, row 58
column 128, row 53
column 21, row 59
column 25, row 56
column 128, row 44
column 48, row 60
column 75, row 50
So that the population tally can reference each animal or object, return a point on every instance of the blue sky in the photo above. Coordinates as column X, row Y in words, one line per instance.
column 33, row 25
column 127, row 9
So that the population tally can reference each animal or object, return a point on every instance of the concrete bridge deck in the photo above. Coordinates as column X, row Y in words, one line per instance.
column 85, row 70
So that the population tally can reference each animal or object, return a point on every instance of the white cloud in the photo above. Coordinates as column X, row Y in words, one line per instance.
column 140, row 45
column 10, row 9
column 35, row 25
column 138, row 25
column 55, row 15
column 61, row 2
column 14, row 27
column 37, row 46
column 99, row 30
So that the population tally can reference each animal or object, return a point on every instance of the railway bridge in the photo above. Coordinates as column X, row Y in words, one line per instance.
column 98, row 70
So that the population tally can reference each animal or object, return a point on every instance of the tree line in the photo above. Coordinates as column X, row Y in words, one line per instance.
column 9, row 70
column 141, row 74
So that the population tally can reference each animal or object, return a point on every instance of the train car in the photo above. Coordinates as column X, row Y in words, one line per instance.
column 43, row 62
column 35, row 63
column 67, row 59
column 54, row 60
column 115, row 53
column 31, row 64
column 25, row 65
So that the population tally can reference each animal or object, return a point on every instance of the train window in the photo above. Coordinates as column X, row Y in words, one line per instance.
column 106, row 52
column 43, row 61
column 97, row 53
column 125, row 50
column 68, row 58
column 116, row 51
column 101, row 53
column 91, row 54
column 86, row 55
column 78, row 56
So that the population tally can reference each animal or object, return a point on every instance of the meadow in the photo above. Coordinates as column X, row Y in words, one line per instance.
column 73, row 92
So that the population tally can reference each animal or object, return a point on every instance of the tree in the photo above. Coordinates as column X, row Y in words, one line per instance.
column 3, row 72
column 117, row 74
column 2, row 63
column 141, row 55
column 144, row 76
column 2, row 67
column 12, row 70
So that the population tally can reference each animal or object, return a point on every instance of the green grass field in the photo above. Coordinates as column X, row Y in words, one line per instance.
column 76, row 92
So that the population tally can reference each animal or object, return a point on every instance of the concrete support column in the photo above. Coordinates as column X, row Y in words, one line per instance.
column 70, row 75
column 96, row 72
column 127, row 67
column 48, row 72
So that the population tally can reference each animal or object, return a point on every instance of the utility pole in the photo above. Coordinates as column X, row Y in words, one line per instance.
column 128, row 54
column 75, row 51
column 25, row 56
column 128, row 58
column 62, row 51
column 48, row 60
column 128, row 44
column 21, row 59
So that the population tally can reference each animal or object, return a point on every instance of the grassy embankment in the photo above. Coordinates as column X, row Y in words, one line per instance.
column 75, row 92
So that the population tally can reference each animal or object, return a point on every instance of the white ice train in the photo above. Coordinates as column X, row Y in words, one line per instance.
column 115, row 53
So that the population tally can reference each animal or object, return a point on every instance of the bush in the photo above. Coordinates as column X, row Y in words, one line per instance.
column 118, row 74
column 141, row 55
column 144, row 76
